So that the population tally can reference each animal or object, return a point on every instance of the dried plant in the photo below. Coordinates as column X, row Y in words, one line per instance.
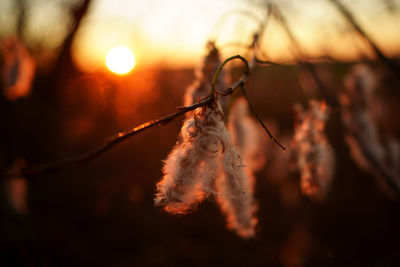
column 247, row 135
column 16, row 190
column 235, row 187
column 314, row 155
column 356, row 104
column 360, row 115
column 204, row 161
column 193, row 164
column 200, row 88
column 18, row 69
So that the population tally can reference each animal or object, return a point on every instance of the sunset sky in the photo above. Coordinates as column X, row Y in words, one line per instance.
column 157, row 31
column 173, row 33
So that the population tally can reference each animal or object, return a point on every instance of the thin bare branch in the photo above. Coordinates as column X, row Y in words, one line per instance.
column 214, row 81
column 218, row 25
column 241, row 83
column 395, row 68
column 120, row 137
column 259, row 119
column 85, row 157
column 237, row 84
column 64, row 61
column 310, row 67
column 267, row 62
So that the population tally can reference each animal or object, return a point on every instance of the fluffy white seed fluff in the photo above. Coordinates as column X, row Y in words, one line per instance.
column 361, row 114
column 357, row 102
column 314, row 155
column 191, row 167
column 247, row 135
column 204, row 161
column 204, row 75
column 235, row 186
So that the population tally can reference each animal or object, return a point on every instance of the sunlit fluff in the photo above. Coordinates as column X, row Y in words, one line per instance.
column 314, row 155
column 356, row 102
column 235, row 186
column 18, row 69
column 204, row 75
column 191, row 167
column 204, row 161
column 16, row 189
column 247, row 135
column 359, row 108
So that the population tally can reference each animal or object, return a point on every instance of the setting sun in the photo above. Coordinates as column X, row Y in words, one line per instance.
column 120, row 60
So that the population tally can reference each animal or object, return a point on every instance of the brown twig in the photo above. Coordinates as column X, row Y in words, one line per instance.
column 240, row 83
column 85, row 157
column 217, row 72
column 267, row 62
column 64, row 64
column 258, row 117
column 237, row 84
column 121, row 136
column 224, row 17
column 21, row 20
column 310, row 67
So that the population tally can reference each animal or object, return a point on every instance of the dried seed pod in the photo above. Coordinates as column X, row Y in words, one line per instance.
column 204, row 161
column 314, row 155
column 356, row 104
column 362, row 110
column 204, row 75
column 17, row 189
column 193, row 164
column 247, row 135
column 235, row 187
column 18, row 70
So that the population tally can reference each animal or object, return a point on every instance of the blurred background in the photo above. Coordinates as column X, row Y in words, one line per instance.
column 63, row 93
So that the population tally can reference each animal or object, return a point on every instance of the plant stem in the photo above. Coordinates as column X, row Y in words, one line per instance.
column 216, row 74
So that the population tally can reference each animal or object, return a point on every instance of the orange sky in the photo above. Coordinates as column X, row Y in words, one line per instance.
column 174, row 32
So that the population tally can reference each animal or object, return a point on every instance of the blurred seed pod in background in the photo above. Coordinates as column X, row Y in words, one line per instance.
column 18, row 69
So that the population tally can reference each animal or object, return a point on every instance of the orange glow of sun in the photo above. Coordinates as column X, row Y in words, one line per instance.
column 120, row 60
